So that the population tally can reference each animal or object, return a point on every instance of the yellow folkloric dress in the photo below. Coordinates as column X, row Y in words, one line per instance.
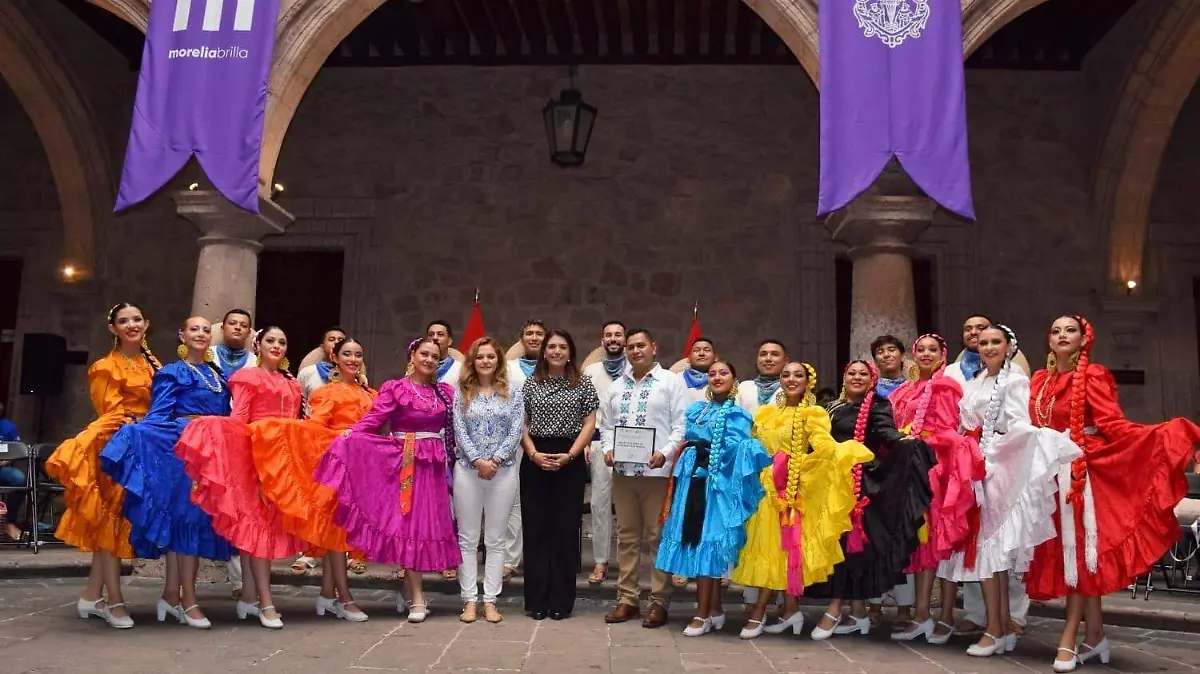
column 794, row 539
column 120, row 390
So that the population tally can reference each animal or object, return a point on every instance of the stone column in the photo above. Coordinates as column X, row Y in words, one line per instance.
column 227, row 272
column 879, row 227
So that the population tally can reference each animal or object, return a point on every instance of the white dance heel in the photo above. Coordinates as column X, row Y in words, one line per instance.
column 860, row 625
column 820, row 633
column 88, row 609
column 162, row 609
column 275, row 623
column 749, row 632
column 998, row 646
column 1010, row 642
column 402, row 606
column 198, row 623
column 338, row 610
column 1066, row 665
column 794, row 622
column 247, row 609
column 1102, row 650
column 940, row 639
column 418, row 615
column 917, row 630
column 704, row 628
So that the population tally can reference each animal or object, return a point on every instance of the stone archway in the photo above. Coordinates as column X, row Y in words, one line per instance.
column 982, row 18
column 1162, row 74
column 309, row 30
column 134, row 12
column 66, row 125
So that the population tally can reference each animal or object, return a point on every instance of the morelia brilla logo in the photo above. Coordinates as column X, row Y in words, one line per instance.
column 243, row 21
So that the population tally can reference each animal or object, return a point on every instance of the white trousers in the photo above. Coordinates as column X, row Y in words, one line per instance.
column 233, row 568
column 601, row 503
column 514, row 540
column 904, row 594
column 485, row 504
column 1018, row 601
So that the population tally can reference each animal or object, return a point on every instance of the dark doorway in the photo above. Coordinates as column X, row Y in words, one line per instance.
column 301, row 292
column 1196, row 301
column 924, row 289
column 10, row 294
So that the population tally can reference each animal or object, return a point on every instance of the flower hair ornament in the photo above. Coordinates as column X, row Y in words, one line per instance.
column 857, row 539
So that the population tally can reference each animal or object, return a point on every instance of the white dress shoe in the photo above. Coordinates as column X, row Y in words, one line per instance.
column 162, row 609
column 247, row 609
column 1066, row 665
column 820, row 633
column 752, row 630
column 417, row 613
column 915, row 631
column 997, row 647
column 88, row 609
column 1101, row 650
column 120, row 622
column 353, row 616
column 402, row 606
column 275, row 623
column 940, row 639
column 198, row 623
column 704, row 628
column 1010, row 642
column 718, row 622
column 330, row 606
column 860, row 625
column 794, row 622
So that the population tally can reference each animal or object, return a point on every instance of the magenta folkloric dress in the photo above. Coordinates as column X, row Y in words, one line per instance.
column 410, row 526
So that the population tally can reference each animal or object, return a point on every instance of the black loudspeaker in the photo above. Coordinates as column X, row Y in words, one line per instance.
column 42, row 360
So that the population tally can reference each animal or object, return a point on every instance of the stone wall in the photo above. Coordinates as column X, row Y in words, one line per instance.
column 700, row 185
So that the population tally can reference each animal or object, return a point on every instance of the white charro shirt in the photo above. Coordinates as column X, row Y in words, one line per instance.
column 658, row 401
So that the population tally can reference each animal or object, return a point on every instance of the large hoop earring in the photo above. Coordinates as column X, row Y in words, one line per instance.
column 408, row 371
column 284, row 363
column 335, row 375
column 780, row 398
column 1051, row 362
column 181, row 351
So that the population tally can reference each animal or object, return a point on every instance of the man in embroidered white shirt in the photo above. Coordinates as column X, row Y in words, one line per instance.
column 646, row 396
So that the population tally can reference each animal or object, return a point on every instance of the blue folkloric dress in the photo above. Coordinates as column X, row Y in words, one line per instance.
column 141, row 458
column 715, row 490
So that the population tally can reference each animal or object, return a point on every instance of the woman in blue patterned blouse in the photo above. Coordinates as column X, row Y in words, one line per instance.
column 488, row 422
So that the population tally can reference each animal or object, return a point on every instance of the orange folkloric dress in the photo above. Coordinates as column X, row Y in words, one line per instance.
column 1136, row 477
column 120, row 390
column 222, row 457
column 287, row 464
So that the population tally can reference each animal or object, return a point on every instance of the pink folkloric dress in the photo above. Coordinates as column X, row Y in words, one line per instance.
column 958, row 463
column 392, row 490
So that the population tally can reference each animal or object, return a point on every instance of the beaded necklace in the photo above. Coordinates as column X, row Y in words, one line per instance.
column 215, row 386
column 1043, row 413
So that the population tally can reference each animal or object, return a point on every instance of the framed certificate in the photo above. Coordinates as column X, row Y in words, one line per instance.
column 632, row 444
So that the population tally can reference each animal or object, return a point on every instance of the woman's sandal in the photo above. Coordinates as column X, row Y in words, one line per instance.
column 599, row 573
column 450, row 574
column 357, row 566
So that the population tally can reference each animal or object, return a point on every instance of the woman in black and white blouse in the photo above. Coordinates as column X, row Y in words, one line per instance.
column 560, row 412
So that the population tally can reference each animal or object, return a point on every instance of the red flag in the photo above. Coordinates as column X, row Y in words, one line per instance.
column 474, row 329
column 693, row 333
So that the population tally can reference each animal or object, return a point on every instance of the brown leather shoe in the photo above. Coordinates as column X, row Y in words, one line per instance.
column 622, row 613
column 657, row 617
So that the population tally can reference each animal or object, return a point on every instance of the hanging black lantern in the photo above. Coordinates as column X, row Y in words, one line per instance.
column 569, row 124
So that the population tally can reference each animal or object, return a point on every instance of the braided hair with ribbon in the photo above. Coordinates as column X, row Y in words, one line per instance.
column 857, row 539
column 111, row 318
column 996, row 401
column 1079, row 407
column 799, row 445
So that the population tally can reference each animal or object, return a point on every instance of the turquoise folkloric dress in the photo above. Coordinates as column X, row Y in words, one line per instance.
column 715, row 490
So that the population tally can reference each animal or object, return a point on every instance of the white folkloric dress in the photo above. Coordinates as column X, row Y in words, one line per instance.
column 1017, row 497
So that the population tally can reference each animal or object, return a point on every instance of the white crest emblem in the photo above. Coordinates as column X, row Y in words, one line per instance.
column 892, row 21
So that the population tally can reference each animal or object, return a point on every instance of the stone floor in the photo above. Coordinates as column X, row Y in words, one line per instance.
column 40, row 633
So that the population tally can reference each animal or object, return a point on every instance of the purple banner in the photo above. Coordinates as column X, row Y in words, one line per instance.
column 202, row 91
column 892, row 85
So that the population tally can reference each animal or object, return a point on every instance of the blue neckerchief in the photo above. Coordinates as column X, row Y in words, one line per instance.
column 971, row 364
column 231, row 360
column 886, row 385
column 767, row 386
column 614, row 367
column 444, row 367
column 695, row 378
column 324, row 369
column 527, row 364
